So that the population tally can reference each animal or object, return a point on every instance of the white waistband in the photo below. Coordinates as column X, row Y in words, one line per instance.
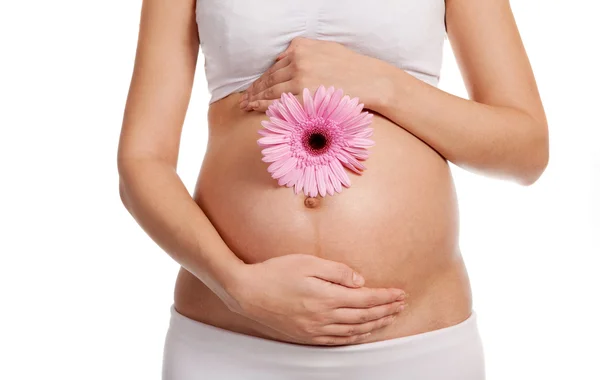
column 283, row 353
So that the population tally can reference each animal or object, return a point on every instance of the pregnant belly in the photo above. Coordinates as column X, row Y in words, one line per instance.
column 397, row 224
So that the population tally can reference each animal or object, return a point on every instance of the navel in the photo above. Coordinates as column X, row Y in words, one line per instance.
column 311, row 202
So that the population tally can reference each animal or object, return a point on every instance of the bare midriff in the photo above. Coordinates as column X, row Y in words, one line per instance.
column 397, row 224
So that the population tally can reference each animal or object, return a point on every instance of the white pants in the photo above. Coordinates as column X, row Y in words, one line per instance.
column 195, row 350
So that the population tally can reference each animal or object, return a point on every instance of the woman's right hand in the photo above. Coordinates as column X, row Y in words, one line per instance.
column 313, row 300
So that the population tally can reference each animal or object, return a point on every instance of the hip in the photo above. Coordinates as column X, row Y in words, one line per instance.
column 194, row 350
column 441, row 299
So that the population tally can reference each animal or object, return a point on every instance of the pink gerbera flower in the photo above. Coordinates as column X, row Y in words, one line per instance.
column 308, row 147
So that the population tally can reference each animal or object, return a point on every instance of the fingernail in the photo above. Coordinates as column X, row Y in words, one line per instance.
column 400, row 308
column 358, row 279
column 363, row 336
column 243, row 104
column 253, row 104
column 401, row 296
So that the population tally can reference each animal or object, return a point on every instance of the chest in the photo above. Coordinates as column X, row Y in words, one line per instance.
column 255, row 31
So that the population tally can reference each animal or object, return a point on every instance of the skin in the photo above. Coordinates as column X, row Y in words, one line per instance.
column 501, row 132
column 292, row 290
column 310, row 300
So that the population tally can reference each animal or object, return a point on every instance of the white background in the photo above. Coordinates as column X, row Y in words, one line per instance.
column 85, row 293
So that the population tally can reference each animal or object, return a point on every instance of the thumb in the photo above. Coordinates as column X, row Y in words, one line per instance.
column 338, row 273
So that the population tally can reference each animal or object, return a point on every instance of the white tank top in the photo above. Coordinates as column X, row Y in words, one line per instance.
column 241, row 38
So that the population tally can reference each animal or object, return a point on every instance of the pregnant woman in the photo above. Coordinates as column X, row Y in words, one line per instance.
column 367, row 281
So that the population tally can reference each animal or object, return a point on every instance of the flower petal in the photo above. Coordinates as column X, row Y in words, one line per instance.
column 351, row 162
column 366, row 132
column 286, row 115
column 274, row 149
column 290, row 179
column 340, row 157
column 319, row 96
column 309, row 105
column 294, row 107
column 353, row 109
column 273, row 139
column 263, row 132
column 328, row 184
column 279, row 155
column 359, row 153
column 335, row 182
column 300, row 180
column 281, row 127
column 342, row 110
column 311, row 183
column 287, row 180
column 273, row 109
column 276, row 165
column 283, row 124
column 358, row 123
column 320, row 177
column 340, row 174
column 289, row 166
column 333, row 102
column 325, row 102
column 361, row 143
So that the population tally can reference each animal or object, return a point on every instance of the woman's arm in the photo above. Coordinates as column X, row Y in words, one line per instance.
column 502, row 131
column 309, row 299
column 150, row 188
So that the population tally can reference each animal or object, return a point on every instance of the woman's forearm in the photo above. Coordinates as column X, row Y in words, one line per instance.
column 498, row 141
column 156, row 197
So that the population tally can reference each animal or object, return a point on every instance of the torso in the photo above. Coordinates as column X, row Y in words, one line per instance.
column 397, row 224
column 240, row 39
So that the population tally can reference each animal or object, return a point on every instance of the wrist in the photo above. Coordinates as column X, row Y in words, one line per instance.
column 379, row 86
column 228, row 274
column 222, row 275
column 234, row 278
column 235, row 287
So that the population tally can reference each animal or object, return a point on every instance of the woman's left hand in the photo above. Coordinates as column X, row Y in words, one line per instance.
column 310, row 63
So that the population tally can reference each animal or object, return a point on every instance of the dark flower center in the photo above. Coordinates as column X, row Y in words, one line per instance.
column 317, row 141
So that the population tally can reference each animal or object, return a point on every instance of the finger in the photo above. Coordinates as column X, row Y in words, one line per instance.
column 345, row 315
column 284, row 54
column 272, row 92
column 337, row 340
column 337, row 273
column 260, row 105
column 277, row 73
column 252, row 88
column 280, row 76
column 296, row 41
column 367, row 297
column 357, row 328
